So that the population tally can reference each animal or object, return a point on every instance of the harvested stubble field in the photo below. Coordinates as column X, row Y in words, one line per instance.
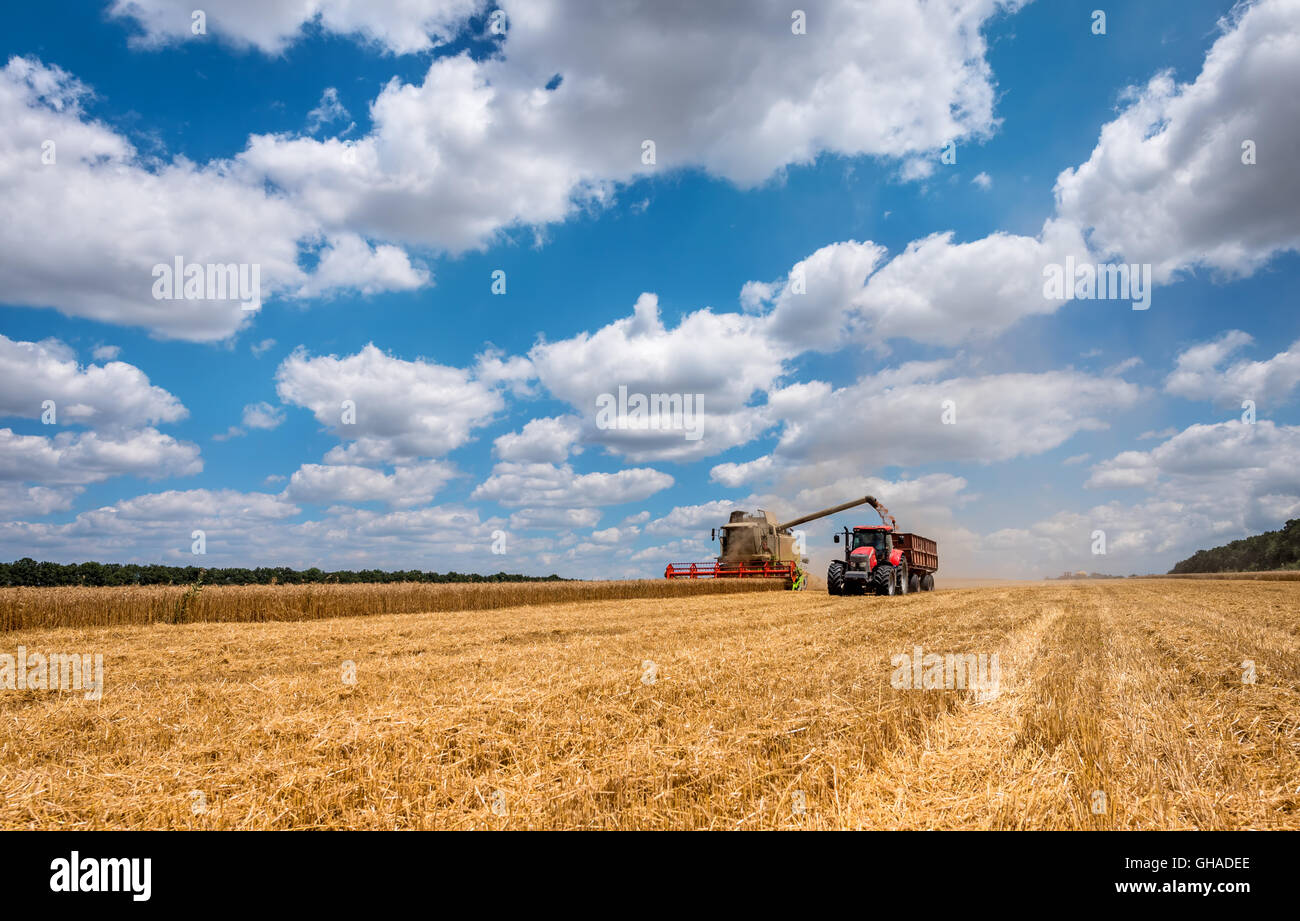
column 1267, row 575
column 539, row 717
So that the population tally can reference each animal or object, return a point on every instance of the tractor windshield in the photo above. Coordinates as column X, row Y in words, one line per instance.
column 869, row 539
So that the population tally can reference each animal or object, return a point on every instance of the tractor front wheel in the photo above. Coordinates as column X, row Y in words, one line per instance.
column 885, row 579
column 835, row 578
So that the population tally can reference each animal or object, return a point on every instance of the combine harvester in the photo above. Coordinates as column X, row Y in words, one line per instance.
column 758, row 547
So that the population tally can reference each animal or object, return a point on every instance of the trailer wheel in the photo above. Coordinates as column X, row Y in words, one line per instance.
column 884, row 578
column 927, row 583
column 835, row 577
column 914, row 583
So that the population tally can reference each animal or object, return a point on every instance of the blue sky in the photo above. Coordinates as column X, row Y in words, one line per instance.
column 379, row 166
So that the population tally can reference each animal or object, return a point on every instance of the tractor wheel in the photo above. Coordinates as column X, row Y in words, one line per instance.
column 835, row 578
column 885, row 579
column 904, row 581
column 914, row 583
column 927, row 583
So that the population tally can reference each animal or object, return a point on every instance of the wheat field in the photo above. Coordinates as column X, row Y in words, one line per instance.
column 1120, row 705
column 24, row 608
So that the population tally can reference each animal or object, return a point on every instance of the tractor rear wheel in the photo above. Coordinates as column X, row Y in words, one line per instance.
column 885, row 579
column 927, row 583
column 904, row 580
column 835, row 577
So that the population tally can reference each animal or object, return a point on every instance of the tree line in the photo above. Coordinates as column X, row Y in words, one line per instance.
column 1270, row 550
column 28, row 572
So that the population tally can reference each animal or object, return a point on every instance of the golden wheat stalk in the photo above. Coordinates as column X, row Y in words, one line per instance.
column 27, row 608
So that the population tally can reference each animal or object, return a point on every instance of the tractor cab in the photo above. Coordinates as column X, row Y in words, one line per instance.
column 877, row 538
column 874, row 536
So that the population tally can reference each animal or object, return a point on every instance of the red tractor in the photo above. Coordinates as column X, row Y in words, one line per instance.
column 883, row 561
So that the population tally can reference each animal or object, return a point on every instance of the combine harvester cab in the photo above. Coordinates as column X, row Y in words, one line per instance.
column 880, row 560
column 757, row 547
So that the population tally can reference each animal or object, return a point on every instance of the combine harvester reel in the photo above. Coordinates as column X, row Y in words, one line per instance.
column 758, row 547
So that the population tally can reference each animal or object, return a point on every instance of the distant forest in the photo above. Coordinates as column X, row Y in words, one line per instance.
column 29, row 572
column 1270, row 550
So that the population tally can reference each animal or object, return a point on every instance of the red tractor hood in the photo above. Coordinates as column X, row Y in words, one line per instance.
column 869, row 553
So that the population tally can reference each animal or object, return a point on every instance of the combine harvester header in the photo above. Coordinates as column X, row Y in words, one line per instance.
column 758, row 547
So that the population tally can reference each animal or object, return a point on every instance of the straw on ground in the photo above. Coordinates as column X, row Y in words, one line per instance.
column 771, row 710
